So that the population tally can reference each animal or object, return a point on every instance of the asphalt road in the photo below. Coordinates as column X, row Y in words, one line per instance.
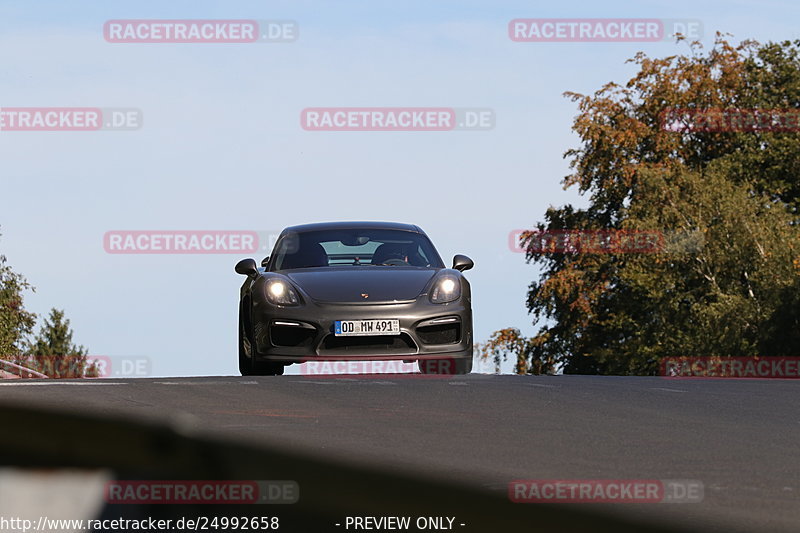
column 740, row 438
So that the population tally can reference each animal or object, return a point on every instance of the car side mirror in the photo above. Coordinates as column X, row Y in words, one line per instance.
column 247, row 267
column 462, row 263
column 265, row 262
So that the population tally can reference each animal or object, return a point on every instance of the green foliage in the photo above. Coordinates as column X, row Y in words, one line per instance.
column 53, row 353
column 15, row 321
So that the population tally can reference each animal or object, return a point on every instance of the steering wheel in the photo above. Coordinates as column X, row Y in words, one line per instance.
column 395, row 262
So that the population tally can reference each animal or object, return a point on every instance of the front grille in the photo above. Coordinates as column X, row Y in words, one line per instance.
column 368, row 345
column 292, row 336
column 449, row 333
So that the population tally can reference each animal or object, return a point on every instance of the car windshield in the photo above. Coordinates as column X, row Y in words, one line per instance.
column 358, row 247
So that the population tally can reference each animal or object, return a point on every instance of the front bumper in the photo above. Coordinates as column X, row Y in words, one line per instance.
column 305, row 333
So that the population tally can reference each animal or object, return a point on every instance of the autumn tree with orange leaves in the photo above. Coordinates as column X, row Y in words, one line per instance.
column 734, row 290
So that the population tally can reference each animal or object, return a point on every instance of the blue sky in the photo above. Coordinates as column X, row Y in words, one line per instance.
column 221, row 147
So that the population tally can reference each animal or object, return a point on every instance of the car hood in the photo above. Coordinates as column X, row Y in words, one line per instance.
column 348, row 285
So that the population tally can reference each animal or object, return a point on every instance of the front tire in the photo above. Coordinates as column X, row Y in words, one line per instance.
column 248, row 366
column 245, row 352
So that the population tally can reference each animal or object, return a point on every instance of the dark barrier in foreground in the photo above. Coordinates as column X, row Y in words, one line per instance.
column 329, row 491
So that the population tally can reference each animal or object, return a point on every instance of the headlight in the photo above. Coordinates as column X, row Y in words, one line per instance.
column 281, row 293
column 446, row 289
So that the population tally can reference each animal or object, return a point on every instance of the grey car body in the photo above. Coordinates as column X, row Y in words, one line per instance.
column 377, row 272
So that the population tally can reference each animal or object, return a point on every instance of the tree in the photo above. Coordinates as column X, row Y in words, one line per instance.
column 15, row 321
column 530, row 358
column 622, row 313
column 53, row 353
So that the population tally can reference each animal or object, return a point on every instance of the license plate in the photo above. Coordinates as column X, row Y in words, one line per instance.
column 343, row 328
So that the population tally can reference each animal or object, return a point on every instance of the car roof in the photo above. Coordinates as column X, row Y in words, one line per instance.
column 353, row 225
